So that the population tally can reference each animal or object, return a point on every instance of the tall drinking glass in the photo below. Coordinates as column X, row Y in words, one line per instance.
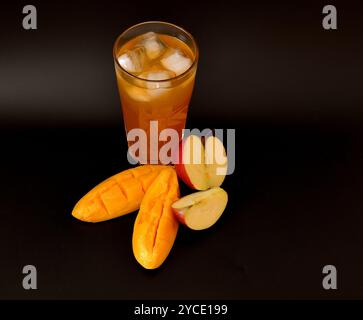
column 155, row 64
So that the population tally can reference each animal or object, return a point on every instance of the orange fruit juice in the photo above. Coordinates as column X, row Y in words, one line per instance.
column 155, row 76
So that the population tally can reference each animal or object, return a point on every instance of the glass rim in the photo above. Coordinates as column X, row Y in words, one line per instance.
column 163, row 80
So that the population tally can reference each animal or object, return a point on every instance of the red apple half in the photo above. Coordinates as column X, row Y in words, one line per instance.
column 202, row 209
column 202, row 166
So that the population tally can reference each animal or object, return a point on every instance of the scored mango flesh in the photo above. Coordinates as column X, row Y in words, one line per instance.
column 117, row 195
column 156, row 227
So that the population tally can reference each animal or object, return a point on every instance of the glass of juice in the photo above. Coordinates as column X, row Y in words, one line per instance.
column 155, row 64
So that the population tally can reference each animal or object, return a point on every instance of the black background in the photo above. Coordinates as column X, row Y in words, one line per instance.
column 292, row 90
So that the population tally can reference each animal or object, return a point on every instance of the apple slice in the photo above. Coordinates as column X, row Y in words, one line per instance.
column 191, row 167
column 200, row 210
column 202, row 166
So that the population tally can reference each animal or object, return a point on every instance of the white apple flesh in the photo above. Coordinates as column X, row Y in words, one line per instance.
column 215, row 161
column 201, row 210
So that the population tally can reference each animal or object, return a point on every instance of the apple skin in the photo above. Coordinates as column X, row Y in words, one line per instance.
column 180, row 214
column 180, row 168
column 182, row 174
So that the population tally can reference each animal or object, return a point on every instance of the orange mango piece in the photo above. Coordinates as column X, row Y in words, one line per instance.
column 156, row 227
column 117, row 195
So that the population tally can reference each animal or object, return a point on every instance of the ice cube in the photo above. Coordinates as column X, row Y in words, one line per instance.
column 138, row 94
column 143, row 90
column 153, row 45
column 133, row 60
column 176, row 61
column 146, row 95
column 157, row 76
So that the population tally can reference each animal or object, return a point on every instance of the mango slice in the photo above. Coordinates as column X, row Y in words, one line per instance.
column 156, row 227
column 117, row 195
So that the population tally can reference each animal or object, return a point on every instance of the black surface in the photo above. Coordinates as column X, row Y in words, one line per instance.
column 295, row 206
column 294, row 97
